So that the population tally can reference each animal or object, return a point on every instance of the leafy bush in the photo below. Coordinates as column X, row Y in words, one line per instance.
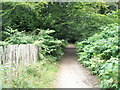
column 15, row 37
column 3, row 43
column 21, row 16
column 100, row 54
column 48, row 44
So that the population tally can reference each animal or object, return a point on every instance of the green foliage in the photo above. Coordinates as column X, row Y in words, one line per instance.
column 19, row 16
column 100, row 54
column 72, row 22
column 15, row 37
column 48, row 44
column 3, row 43
column 37, row 75
column 77, row 21
column 69, row 20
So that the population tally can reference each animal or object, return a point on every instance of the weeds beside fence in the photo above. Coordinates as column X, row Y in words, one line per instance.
column 13, row 56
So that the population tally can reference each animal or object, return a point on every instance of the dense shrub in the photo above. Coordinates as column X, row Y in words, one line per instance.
column 48, row 44
column 15, row 37
column 19, row 16
column 100, row 54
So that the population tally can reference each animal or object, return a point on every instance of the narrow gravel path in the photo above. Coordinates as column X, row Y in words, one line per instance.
column 71, row 74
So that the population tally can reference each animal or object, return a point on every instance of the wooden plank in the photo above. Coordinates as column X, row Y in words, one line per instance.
column 15, row 55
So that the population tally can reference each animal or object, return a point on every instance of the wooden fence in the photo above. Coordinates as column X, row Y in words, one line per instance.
column 15, row 55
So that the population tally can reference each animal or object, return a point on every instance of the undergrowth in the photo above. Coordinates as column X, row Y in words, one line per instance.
column 40, row 74
column 100, row 54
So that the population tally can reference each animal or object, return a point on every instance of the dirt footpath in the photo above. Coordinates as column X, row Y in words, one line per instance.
column 71, row 74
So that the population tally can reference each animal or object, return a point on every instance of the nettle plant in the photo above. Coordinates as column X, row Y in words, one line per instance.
column 100, row 54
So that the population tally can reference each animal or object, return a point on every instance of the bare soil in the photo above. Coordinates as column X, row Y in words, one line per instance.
column 72, row 74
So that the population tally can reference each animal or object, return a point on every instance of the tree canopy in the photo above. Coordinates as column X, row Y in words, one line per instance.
column 72, row 21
